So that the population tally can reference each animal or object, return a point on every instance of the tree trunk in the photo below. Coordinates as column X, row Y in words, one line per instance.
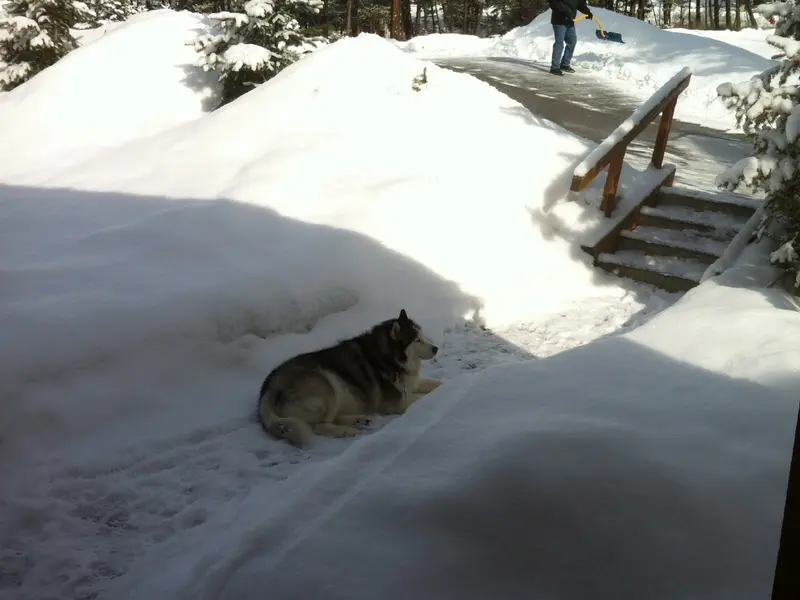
column 405, row 17
column 697, row 14
column 748, row 6
column 447, row 15
column 737, row 18
column 348, row 27
column 416, row 19
column 325, row 18
column 716, row 14
column 356, row 25
column 727, row 14
column 667, row 12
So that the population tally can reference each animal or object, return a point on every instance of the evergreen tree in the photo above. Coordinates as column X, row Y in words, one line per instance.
column 768, row 109
column 252, row 47
column 35, row 34
column 114, row 10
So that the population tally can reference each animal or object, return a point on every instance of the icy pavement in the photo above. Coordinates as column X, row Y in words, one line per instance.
column 70, row 526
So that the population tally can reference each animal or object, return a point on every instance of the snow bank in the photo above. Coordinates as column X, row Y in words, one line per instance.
column 134, row 81
column 333, row 184
column 648, row 465
column 444, row 44
column 647, row 59
column 749, row 39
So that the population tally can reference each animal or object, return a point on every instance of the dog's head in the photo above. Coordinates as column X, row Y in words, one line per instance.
column 408, row 335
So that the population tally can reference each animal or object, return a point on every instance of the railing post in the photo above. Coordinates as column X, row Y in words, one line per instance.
column 609, row 201
column 663, row 134
column 786, row 584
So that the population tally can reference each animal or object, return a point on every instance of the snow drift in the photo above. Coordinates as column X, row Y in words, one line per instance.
column 147, row 290
column 283, row 207
column 134, row 81
column 750, row 39
column 648, row 465
column 647, row 59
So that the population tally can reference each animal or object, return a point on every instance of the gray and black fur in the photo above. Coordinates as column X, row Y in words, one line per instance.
column 333, row 390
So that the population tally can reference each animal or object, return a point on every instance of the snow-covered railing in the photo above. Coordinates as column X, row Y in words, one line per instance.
column 612, row 150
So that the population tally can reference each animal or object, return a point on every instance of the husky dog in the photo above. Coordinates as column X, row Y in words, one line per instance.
column 331, row 391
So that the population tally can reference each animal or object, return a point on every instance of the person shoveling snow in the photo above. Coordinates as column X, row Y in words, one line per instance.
column 563, row 22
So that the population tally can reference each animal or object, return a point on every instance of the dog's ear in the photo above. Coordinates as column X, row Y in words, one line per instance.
column 394, row 332
column 403, row 316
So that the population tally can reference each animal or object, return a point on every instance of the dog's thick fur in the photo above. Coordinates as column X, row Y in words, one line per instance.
column 333, row 391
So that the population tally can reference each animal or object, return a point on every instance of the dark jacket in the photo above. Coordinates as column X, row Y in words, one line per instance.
column 565, row 11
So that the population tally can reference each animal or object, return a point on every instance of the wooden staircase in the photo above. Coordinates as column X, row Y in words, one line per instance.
column 661, row 235
column 674, row 237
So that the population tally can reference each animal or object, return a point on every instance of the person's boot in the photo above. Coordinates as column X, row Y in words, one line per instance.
column 555, row 71
column 567, row 69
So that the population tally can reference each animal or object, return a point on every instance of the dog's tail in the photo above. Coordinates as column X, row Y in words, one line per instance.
column 296, row 431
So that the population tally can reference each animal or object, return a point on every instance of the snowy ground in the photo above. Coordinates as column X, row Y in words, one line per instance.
column 102, row 94
column 647, row 59
column 750, row 39
column 639, row 466
column 153, row 279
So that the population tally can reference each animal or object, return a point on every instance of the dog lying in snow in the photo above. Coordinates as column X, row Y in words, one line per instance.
column 333, row 391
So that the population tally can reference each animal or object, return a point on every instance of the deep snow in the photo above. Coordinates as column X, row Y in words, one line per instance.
column 151, row 284
column 651, row 464
column 750, row 39
column 649, row 58
column 170, row 232
column 132, row 82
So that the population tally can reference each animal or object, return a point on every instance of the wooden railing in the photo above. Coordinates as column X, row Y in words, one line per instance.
column 611, row 152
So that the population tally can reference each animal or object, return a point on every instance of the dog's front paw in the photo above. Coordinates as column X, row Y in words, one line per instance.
column 362, row 422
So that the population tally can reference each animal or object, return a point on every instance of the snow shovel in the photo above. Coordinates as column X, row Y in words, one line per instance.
column 609, row 36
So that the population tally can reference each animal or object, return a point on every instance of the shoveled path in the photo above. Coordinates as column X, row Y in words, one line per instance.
column 592, row 108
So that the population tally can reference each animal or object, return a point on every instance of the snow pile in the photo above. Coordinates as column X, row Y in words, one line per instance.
column 647, row 59
column 648, row 465
column 134, row 81
column 284, row 207
column 750, row 39
column 444, row 44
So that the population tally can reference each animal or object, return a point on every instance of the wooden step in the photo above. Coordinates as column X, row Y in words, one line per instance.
column 672, row 242
column 717, row 224
column 700, row 200
column 670, row 274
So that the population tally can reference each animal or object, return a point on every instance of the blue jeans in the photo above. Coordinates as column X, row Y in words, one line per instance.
column 562, row 56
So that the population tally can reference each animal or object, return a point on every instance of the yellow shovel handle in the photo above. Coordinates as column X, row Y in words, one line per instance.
column 596, row 19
